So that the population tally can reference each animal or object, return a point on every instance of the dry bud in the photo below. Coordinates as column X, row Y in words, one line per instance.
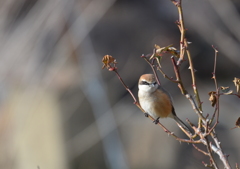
column 107, row 60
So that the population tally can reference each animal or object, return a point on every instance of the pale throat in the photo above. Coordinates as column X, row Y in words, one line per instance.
column 147, row 89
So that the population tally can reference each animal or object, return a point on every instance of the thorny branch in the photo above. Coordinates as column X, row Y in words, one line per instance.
column 110, row 63
column 205, row 129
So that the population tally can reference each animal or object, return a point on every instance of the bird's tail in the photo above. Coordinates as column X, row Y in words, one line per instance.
column 182, row 125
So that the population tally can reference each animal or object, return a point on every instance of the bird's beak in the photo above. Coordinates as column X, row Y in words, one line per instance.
column 152, row 85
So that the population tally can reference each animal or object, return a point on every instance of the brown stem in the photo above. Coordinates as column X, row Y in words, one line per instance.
column 210, row 153
column 194, row 84
column 153, row 69
column 198, row 149
column 198, row 109
column 195, row 108
column 165, row 75
column 184, row 47
column 182, row 26
column 178, row 77
column 216, row 112
column 182, row 29
column 219, row 151
column 126, row 87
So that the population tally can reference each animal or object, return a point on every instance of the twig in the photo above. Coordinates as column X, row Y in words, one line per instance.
column 233, row 94
column 178, row 77
column 198, row 109
column 194, row 84
column 218, row 150
column 198, row 149
column 165, row 75
column 153, row 69
column 214, row 68
column 216, row 112
column 182, row 29
column 208, row 145
column 184, row 47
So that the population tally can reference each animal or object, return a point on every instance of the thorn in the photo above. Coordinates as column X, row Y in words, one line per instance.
column 142, row 56
column 214, row 48
column 190, row 69
column 177, row 3
column 204, row 164
column 189, row 43
column 177, row 22
column 226, row 155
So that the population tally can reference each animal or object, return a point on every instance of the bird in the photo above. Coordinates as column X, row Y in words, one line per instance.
column 156, row 101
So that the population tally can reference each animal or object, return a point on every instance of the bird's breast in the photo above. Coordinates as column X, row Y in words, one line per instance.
column 157, row 104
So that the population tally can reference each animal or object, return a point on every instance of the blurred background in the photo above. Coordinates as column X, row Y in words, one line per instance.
column 60, row 110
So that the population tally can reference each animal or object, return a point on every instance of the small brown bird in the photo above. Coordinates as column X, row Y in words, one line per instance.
column 156, row 101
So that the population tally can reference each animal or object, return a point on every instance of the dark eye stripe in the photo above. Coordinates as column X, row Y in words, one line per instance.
column 144, row 83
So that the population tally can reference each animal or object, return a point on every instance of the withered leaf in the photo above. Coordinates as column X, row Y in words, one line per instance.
column 160, row 50
column 237, row 124
column 226, row 90
column 212, row 98
column 236, row 82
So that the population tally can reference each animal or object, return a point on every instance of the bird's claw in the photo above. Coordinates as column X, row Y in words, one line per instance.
column 156, row 121
column 146, row 114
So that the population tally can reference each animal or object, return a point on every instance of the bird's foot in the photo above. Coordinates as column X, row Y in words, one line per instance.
column 156, row 121
column 146, row 114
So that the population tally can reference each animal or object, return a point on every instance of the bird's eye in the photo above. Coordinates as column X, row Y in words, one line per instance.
column 155, row 83
column 144, row 83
